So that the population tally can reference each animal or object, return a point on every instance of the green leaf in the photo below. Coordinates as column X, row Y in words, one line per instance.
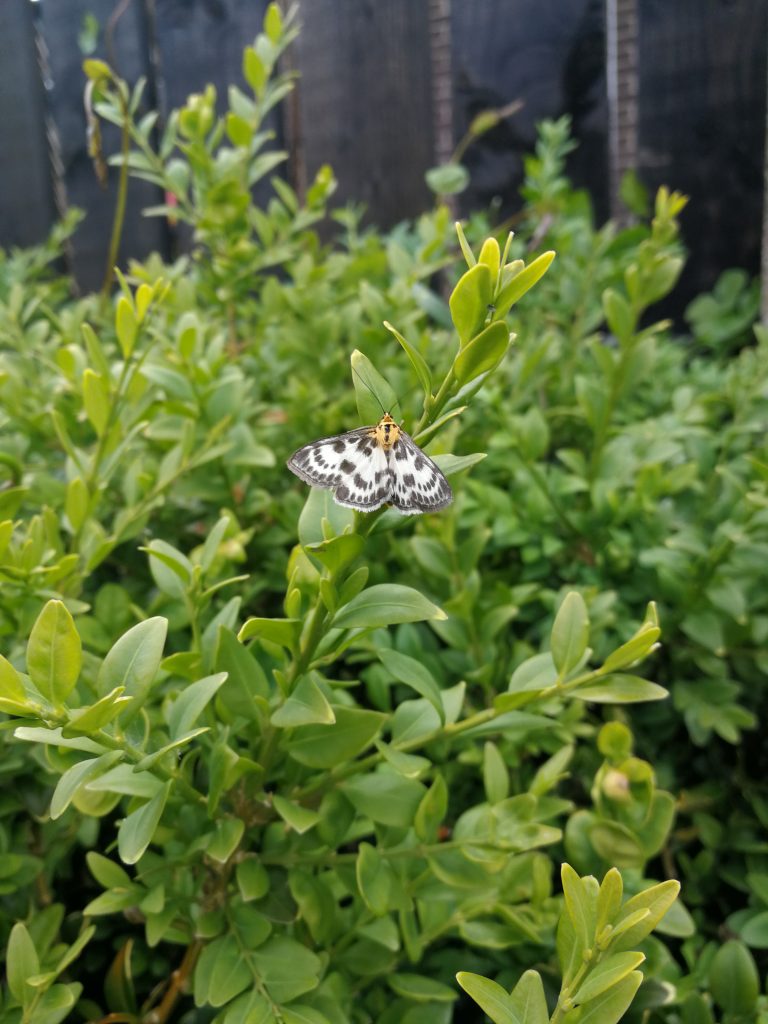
column 300, row 819
column 528, row 1000
column 126, row 326
column 495, row 774
column 639, row 647
column 21, row 963
column 136, row 831
column 252, row 879
column 76, row 502
column 521, row 283
column 246, row 688
column 94, row 717
column 386, row 604
column 490, row 255
column 733, row 978
column 490, row 997
column 374, row 879
column 76, row 776
column 11, row 686
column 182, row 714
column 420, row 989
column 620, row 689
column 607, row 974
column 447, row 179
column 148, row 762
column 570, row 634
column 411, row 672
column 106, row 872
column 222, row 972
column 323, row 746
column 307, row 705
column 337, row 553
column 56, row 1004
column 374, row 395
column 579, row 904
column 385, row 797
column 431, row 810
column 417, row 360
column 54, row 653
column 609, row 1007
column 284, row 632
column 608, row 899
column 287, row 968
column 171, row 570
column 657, row 900
column 483, row 353
column 226, row 839
column 618, row 314
column 133, row 661
column 470, row 300
column 96, row 400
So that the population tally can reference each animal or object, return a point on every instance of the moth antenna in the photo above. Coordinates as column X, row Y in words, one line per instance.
column 367, row 385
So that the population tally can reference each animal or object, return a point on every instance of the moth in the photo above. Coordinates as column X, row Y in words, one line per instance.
column 374, row 466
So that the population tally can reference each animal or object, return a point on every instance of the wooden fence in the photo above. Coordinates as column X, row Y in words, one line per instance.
column 676, row 91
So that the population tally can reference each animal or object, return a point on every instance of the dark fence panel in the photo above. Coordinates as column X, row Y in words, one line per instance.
column 365, row 101
column 550, row 54
column 702, row 125
column 26, row 191
column 386, row 90
column 60, row 23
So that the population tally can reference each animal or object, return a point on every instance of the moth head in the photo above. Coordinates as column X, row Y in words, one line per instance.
column 387, row 431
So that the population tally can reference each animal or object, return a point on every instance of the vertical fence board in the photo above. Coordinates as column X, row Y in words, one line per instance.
column 60, row 24
column 551, row 55
column 365, row 101
column 26, row 208
column 702, row 123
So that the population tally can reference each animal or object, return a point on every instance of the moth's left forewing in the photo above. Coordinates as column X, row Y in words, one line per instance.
column 417, row 484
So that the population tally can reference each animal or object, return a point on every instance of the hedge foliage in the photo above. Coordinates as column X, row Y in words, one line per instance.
column 268, row 759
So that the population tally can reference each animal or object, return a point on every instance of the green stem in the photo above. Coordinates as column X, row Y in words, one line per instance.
column 122, row 194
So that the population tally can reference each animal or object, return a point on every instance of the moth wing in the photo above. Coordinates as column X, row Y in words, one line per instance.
column 352, row 465
column 319, row 463
column 417, row 484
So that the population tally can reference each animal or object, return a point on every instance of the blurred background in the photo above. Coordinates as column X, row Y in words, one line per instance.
column 674, row 92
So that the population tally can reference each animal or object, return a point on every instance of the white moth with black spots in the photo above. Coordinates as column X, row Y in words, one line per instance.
column 374, row 466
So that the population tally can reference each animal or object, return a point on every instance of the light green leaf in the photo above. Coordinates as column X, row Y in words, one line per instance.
column 483, row 353
column 287, row 968
column 385, row 797
column 284, row 632
column 94, row 717
column 374, row 879
column 609, row 1007
column 607, row 974
column 521, row 283
column 301, row 819
column 126, row 326
column 657, row 900
column 133, row 661
column 337, row 553
column 418, row 988
column 96, row 400
column 222, row 972
column 447, row 179
column 21, row 963
column 225, row 840
column 76, row 503
column 106, row 872
column 470, row 300
column 11, row 686
column 570, row 633
column 374, row 394
column 639, row 647
column 307, row 705
column 323, row 746
column 182, row 714
column 411, row 672
column 54, row 653
column 136, row 831
column 620, row 689
column 171, row 570
column 386, row 604
column 528, row 1000
column 76, row 776
column 252, row 879
column 490, row 997
column 417, row 360
column 495, row 774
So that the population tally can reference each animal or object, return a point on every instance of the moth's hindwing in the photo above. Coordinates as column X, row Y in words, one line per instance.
column 352, row 465
column 417, row 483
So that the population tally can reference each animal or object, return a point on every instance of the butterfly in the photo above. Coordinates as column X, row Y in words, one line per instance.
column 374, row 466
